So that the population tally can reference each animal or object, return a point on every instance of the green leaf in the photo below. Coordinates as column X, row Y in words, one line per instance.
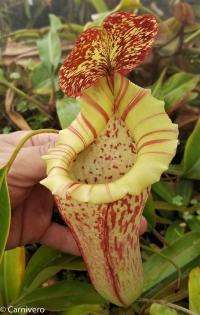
column 42, row 258
column 55, row 23
column 158, row 309
column 86, row 309
column 194, row 290
column 67, row 110
column 174, row 232
column 45, row 263
column 100, row 5
column 39, row 74
column 45, row 87
column 66, row 262
column 183, row 252
column 163, row 190
column 5, row 211
column 12, row 271
column 177, row 88
column 50, row 51
column 191, row 158
column 149, row 214
column 41, row 82
column 184, row 188
column 128, row 5
column 194, row 224
column 156, row 89
column 61, row 296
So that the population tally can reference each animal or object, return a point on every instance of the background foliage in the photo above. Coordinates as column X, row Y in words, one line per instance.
column 36, row 36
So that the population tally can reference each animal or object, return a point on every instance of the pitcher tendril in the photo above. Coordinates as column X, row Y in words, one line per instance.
column 105, row 162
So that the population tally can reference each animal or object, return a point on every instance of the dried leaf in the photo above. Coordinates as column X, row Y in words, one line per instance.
column 15, row 117
column 21, row 54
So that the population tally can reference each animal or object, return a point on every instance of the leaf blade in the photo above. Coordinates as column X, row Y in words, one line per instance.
column 61, row 296
column 14, row 260
column 5, row 211
column 182, row 252
column 194, row 290
column 191, row 158
column 67, row 110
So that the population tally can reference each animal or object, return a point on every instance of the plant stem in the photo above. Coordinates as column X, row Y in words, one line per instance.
column 41, row 106
column 22, row 141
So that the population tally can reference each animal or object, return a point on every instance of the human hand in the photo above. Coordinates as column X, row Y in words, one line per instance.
column 31, row 203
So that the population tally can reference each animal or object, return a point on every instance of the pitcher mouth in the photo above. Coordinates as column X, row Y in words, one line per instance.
column 85, row 186
column 108, row 159
column 148, row 136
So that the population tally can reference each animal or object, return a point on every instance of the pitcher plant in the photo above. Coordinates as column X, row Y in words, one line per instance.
column 103, row 165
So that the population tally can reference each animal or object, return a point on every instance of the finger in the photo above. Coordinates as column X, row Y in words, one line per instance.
column 29, row 168
column 31, row 216
column 143, row 226
column 59, row 237
column 14, row 138
column 42, row 139
column 29, row 165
